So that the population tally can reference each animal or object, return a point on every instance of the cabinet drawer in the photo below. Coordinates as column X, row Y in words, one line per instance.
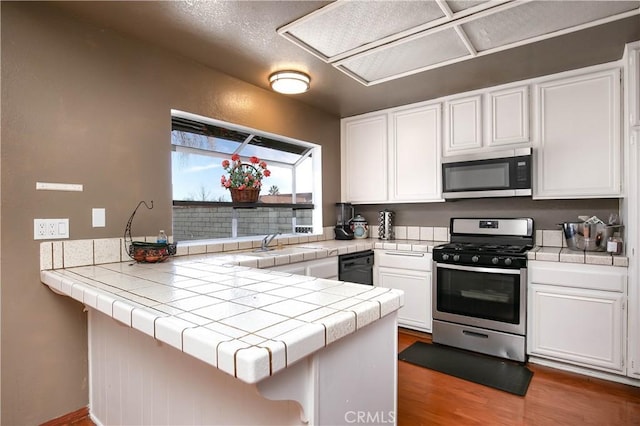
column 419, row 261
column 594, row 277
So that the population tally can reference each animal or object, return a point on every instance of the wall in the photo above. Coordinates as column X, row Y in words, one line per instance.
column 546, row 214
column 83, row 105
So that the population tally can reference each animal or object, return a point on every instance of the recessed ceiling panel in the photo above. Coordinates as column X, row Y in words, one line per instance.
column 538, row 18
column 377, row 41
column 459, row 5
column 408, row 57
column 348, row 25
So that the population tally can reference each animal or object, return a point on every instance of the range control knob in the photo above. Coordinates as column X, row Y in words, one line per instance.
column 507, row 261
column 445, row 256
column 475, row 259
column 456, row 257
column 494, row 260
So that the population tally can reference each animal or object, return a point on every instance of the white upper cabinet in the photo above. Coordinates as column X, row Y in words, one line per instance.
column 577, row 134
column 507, row 116
column 488, row 120
column 414, row 154
column 364, row 158
column 572, row 120
column 392, row 156
column 463, row 124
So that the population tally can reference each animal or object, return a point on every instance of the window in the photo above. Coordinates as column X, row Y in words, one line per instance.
column 202, row 207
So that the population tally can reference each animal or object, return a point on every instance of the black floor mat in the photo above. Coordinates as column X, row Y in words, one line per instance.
column 493, row 372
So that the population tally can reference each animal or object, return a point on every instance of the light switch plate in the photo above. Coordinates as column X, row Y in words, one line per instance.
column 50, row 229
column 98, row 218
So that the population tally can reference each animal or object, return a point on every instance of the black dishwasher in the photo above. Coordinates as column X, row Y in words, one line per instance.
column 356, row 267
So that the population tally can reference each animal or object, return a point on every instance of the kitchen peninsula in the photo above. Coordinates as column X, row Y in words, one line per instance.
column 200, row 339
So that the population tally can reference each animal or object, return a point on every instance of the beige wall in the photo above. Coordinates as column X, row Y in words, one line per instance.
column 84, row 105
column 546, row 214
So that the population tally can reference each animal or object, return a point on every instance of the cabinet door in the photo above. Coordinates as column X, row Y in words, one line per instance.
column 292, row 268
column 634, row 84
column 508, row 116
column 364, row 159
column 583, row 327
column 578, row 136
column 463, row 125
column 323, row 268
column 632, row 231
column 416, row 312
column 415, row 154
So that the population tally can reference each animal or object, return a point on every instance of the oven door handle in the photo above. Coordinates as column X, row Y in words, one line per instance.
column 478, row 269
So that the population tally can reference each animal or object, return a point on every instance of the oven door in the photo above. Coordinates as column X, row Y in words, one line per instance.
column 484, row 297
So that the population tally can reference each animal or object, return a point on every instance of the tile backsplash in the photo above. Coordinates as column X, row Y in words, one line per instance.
column 70, row 253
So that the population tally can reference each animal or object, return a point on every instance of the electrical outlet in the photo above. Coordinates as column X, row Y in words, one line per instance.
column 39, row 229
column 50, row 229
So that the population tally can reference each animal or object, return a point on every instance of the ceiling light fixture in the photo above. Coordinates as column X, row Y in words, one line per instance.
column 289, row 82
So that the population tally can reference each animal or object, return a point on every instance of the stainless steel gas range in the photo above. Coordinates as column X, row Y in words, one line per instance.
column 480, row 286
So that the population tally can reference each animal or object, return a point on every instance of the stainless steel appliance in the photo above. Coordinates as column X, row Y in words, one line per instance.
column 356, row 267
column 480, row 286
column 344, row 215
column 385, row 225
column 499, row 174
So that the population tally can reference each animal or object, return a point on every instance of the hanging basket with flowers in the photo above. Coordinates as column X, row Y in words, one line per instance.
column 245, row 179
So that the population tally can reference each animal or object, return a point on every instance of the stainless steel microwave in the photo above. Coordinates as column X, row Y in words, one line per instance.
column 499, row 174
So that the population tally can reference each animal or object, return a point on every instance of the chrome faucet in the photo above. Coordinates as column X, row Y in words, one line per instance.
column 267, row 240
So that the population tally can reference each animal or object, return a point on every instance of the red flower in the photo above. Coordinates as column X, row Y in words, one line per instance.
column 244, row 175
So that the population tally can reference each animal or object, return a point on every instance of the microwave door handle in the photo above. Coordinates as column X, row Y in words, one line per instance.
column 478, row 269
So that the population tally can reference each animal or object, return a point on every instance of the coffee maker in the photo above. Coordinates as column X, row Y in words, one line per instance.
column 344, row 215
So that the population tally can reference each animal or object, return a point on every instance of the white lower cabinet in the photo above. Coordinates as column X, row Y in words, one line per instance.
column 577, row 314
column 321, row 268
column 411, row 273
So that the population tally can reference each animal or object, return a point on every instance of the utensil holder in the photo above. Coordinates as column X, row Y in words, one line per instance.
column 385, row 225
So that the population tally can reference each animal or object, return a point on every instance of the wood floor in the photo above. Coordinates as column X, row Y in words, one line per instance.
column 426, row 397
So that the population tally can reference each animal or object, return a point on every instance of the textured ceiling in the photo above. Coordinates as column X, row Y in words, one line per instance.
column 240, row 38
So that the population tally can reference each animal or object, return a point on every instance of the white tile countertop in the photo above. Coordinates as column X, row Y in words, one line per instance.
column 566, row 255
column 551, row 246
column 211, row 302
column 247, row 322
